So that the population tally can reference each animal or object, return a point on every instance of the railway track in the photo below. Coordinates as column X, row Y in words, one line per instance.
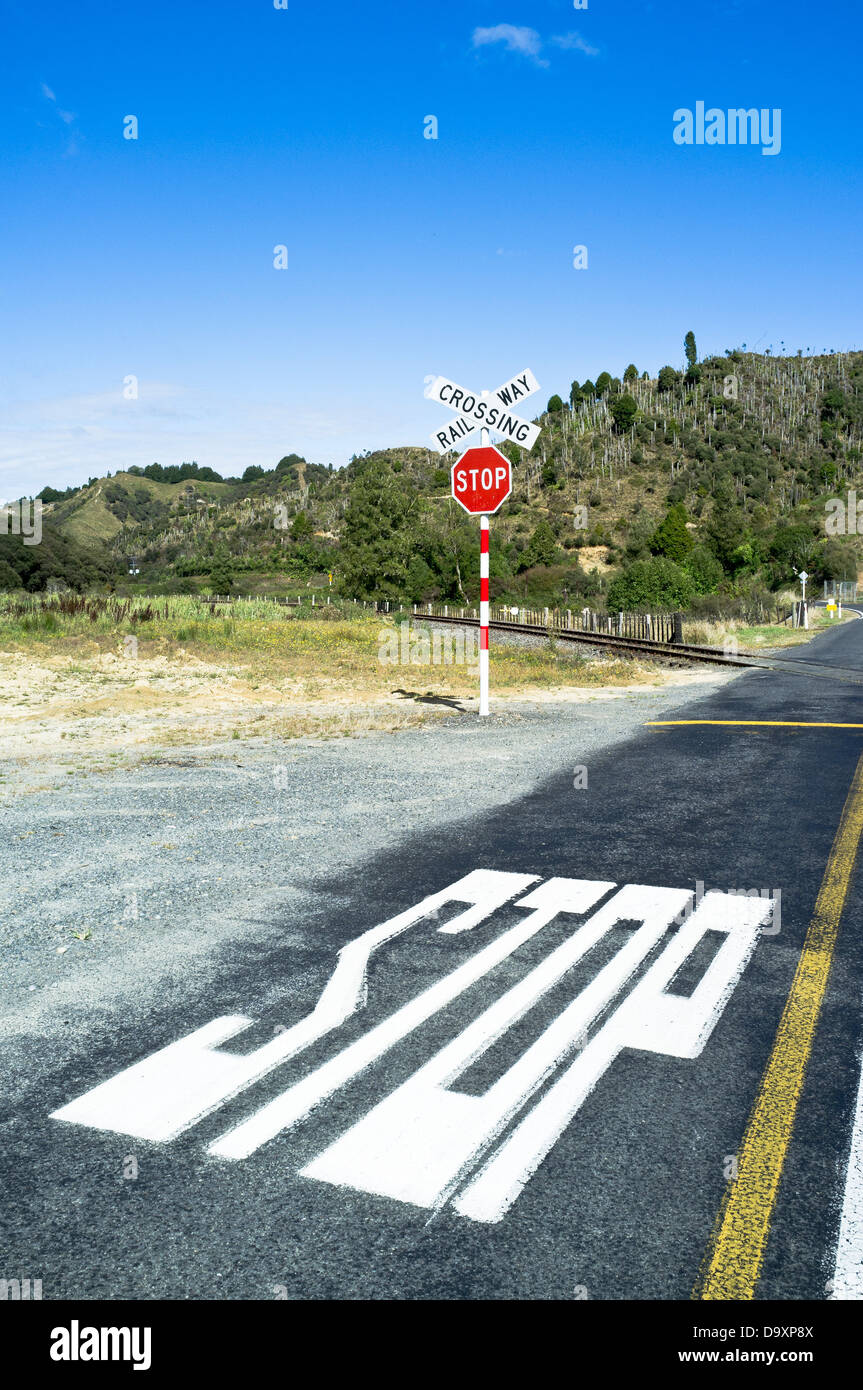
column 666, row 651
column 635, row 646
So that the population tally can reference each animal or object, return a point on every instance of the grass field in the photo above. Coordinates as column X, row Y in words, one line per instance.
column 753, row 639
column 90, row 680
column 331, row 646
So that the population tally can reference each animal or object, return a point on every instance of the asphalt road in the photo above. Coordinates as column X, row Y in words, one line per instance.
column 620, row 1198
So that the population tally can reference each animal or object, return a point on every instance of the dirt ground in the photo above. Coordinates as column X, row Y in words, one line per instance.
column 61, row 713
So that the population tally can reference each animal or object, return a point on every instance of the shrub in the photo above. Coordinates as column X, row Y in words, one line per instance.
column 657, row 583
column 623, row 412
column 704, row 570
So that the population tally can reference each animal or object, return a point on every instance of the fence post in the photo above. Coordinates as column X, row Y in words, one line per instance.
column 678, row 627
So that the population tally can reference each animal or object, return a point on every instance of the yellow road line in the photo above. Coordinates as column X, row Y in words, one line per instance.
column 760, row 723
column 732, row 1263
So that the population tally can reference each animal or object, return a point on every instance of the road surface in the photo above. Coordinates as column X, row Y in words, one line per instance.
column 630, row 1071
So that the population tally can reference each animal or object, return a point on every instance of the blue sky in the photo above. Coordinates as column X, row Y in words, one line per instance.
column 407, row 256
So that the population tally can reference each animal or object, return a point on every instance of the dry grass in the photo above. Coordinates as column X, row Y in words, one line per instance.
column 84, row 683
column 85, row 689
column 332, row 653
column 752, row 639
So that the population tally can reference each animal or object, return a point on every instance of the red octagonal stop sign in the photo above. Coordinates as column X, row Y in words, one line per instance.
column 481, row 480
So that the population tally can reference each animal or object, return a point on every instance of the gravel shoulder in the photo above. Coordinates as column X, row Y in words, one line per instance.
column 122, row 884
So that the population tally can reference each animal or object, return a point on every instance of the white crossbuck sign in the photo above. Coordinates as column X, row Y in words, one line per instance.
column 428, row 1143
column 484, row 410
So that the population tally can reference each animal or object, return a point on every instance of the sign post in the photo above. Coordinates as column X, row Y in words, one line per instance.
column 483, row 615
column 484, row 600
column 803, row 576
column 482, row 477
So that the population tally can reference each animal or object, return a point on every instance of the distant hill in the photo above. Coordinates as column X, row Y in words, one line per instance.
column 721, row 469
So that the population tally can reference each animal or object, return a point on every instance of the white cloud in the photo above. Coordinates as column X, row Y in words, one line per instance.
column 66, row 439
column 518, row 39
column 67, row 117
column 574, row 41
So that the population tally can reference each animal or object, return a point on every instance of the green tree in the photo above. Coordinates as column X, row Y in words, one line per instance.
column 631, row 373
column 301, row 527
column 574, row 394
column 667, row 378
column 253, row 471
column 555, row 405
column 726, row 527
column 671, row 537
column 690, row 349
column 588, row 390
column 603, row 381
column 832, row 403
column 222, row 574
column 827, row 472
column 421, row 580
column 9, row 578
column 836, row 560
column 623, row 412
column 288, row 462
column 541, row 548
column 792, row 548
column 704, row 570
column 381, row 533
column 650, row 585
column 639, row 535
column 55, row 557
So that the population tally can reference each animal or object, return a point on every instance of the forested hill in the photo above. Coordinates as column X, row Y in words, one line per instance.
column 714, row 477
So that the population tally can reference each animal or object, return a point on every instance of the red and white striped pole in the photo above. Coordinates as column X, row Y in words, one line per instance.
column 483, row 604
column 483, row 615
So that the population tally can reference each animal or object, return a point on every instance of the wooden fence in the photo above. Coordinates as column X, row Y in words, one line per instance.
column 655, row 627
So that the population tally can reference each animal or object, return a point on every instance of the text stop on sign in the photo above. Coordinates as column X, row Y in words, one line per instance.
column 481, row 480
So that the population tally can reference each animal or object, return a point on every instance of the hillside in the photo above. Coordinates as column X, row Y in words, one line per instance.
column 719, row 473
